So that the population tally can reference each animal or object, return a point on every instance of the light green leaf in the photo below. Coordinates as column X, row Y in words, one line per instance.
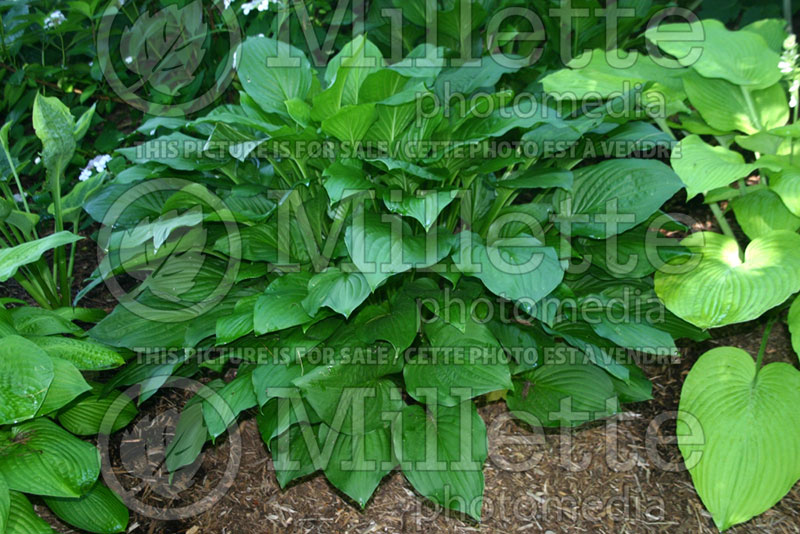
column 5, row 504
column 26, row 372
column 787, row 184
column 292, row 453
column 761, row 212
column 741, row 57
column 613, row 196
column 723, row 106
column 55, row 127
column 40, row 457
column 703, row 167
column 562, row 395
column 725, row 287
column 395, row 321
column 12, row 258
column 358, row 463
column 99, row 510
column 340, row 291
column 221, row 409
column 442, row 452
column 739, row 433
column 342, row 180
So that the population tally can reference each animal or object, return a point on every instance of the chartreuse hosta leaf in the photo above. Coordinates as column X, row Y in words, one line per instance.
column 22, row 518
column 563, row 395
column 614, row 196
column 87, row 416
column 740, row 57
column 99, row 510
column 794, row 325
column 26, row 372
column 724, row 107
column 441, row 452
column 521, row 269
column 787, row 185
column 40, row 457
column 761, row 212
column 55, row 127
column 722, row 286
column 381, row 246
column 703, row 167
column 739, row 433
column 456, row 365
column 12, row 258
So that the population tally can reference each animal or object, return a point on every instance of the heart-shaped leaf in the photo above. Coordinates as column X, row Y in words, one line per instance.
column 27, row 373
column 739, row 433
column 724, row 287
column 741, row 57
column 703, row 167
column 761, row 212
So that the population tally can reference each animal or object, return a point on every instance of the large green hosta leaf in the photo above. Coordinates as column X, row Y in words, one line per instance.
column 340, row 291
column 40, row 457
column 22, row 518
column 632, row 188
column 67, row 384
column 741, row 57
column 563, row 395
column 381, row 246
column 272, row 72
column 99, row 510
column 442, row 454
column 725, row 287
column 521, row 269
column 358, row 463
column 281, row 305
column 703, row 167
column 457, row 365
column 26, row 372
column 739, row 433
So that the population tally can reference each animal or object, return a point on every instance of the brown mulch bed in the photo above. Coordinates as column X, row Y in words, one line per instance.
column 569, row 489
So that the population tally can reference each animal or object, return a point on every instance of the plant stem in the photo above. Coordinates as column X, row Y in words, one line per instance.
column 764, row 339
column 723, row 223
column 751, row 107
column 59, row 257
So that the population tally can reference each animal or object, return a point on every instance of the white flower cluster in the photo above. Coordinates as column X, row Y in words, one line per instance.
column 56, row 18
column 260, row 5
column 788, row 66
column 98, row 163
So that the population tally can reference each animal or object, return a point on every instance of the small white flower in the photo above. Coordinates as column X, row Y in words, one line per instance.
column 56, row 18
column 795, row 86
column 37, row 161
column 98, row 163
column 793, row 101
column 790, row 42
column 128, row 60
column 227, row 3
column 785, row 67
column 17, row 198
column 260, row 5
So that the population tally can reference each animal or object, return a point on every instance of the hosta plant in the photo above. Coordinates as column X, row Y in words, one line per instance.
column 349, row 239
column 46, row 402
column 741, row 124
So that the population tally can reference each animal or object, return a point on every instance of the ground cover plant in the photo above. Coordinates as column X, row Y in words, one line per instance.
column 367, row 232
